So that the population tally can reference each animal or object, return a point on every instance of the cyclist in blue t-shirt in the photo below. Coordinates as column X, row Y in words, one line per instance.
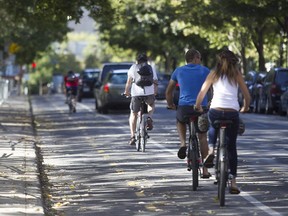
column 190, row 78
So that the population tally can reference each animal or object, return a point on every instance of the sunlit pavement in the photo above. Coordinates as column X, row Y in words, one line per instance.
column 19, row 185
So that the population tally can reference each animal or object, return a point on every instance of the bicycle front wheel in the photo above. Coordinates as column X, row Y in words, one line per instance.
column 222, row 163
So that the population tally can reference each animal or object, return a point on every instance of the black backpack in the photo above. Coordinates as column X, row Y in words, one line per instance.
column 144, row 76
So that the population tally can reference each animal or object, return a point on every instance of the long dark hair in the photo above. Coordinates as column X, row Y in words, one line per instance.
column 226, row 66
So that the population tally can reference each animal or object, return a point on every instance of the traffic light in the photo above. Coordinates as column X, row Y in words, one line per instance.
column 33, row 65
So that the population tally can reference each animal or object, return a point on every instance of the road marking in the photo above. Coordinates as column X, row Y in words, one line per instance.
column 258, row 204
column 243, row 194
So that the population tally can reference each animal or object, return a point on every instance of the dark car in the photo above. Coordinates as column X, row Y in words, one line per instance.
column 283, row 109
column 87, row 80
column 274, row 85
column 257, row 102
column 112, row 66
column 163, row 80
column 106, row 68
column 250, row 80
column 109, row 93
column 254, row 82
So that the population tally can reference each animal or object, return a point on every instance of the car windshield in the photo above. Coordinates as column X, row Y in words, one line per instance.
column 118, row 78
column 91, row 75
column 282, row 78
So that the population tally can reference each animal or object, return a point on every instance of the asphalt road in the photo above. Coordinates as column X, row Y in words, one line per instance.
column 91, row 169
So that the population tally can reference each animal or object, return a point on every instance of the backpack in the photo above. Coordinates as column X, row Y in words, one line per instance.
column 144, row 76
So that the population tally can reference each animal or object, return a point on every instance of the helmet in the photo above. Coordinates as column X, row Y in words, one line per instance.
column 203, row 123
column 241, row 128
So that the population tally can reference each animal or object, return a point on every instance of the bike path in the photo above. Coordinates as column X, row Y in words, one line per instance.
column 20, row 192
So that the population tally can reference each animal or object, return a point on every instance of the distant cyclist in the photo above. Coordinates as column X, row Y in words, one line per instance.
column 226, row 78
column 133, row 90
column 190, row 78
column 71, row 83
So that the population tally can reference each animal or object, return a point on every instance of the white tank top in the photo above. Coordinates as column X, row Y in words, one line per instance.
column 225, row 95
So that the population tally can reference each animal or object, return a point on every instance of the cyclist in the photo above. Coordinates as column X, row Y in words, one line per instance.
column 71, row 83
column 225, row 79
column 133, row 90
column 190, row 78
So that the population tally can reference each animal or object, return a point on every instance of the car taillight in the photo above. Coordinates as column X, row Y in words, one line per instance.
column 274, row 89
column 106, row 88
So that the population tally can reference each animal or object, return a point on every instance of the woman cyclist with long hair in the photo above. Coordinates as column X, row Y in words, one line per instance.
column 225, row 79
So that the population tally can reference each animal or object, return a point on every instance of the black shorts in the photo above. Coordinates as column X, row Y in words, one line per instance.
column 183, row 114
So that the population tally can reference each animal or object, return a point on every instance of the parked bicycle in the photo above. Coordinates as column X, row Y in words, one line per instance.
column 222, row 162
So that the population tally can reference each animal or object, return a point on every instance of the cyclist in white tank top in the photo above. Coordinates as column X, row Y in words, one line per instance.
column 225, row 94
column 225, row 79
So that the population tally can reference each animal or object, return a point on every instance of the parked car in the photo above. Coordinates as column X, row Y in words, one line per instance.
column 283, row 109
column 163, row 80
column 250, row 80
column 108, row 95
column 87, row 80
column 274, row 85
column 254, row 82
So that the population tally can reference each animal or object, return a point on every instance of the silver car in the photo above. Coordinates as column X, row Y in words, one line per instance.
column 108, row 94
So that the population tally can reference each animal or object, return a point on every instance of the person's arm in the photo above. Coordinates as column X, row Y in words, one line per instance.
column 128, row 86
column 204, row 89
column 245, row 92
column 169, row 94
column 155, row 81
column 129, row 81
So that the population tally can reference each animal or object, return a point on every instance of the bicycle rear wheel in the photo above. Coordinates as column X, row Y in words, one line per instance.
column 138, row 135
column 143, row 134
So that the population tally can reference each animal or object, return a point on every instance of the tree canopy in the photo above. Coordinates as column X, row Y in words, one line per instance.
column 255, row 29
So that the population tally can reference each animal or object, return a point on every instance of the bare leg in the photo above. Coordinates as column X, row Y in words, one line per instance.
column 132, row 123
column 203, row 148
column 181, row 127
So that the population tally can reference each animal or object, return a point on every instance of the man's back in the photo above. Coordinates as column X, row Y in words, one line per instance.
column 190, row 78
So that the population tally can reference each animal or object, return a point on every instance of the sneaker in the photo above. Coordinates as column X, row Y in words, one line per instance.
column 149, row 125
column 132, row 141
column 182, row 152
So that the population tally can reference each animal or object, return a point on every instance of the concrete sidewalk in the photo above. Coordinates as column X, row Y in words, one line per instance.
column 20, row 192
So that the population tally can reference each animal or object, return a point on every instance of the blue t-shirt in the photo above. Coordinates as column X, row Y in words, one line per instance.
column 190, row 78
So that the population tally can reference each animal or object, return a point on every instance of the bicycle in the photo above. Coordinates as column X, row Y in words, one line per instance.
column 141, row 124
column 141, row 131
column 71, row 101
column 221, row 162
column 194, row 162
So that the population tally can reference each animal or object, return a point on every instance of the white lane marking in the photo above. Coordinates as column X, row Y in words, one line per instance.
column 258, row 204
column 243, row 194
